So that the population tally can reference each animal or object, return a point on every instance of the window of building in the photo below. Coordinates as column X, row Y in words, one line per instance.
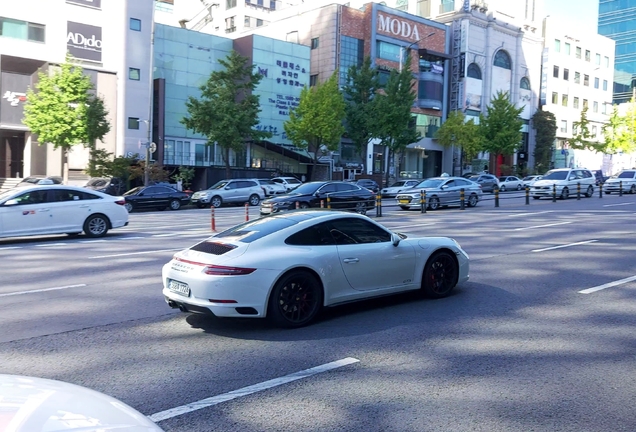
column 248, row 21
column 24, row 30
column 557, row 45
column 525, row 83
column 584, row 103
column 586, row 80
column 473, row 71
column 164, row 5
column 313, row 80
column 135, row 24
column 604, row 85
column 566, row 74
column 133, row 123
column 555, row 98
column 272, row 4
column 594, row 131
column 564, row 100
column 596, row 82
column 567, row 48
column 597, row 59
column 595, row 106
column 606, row 60
column 388, row 51
column 577, row 77
column 351, row 54
column 502, row 60
column 578, row 52
column 229, row 4
column 604, row 108
column 259, row 22
column 564, row 126
column 229, row 25
column 134, row 74
column 575, row 129
column 555, row 72
column 314, row 43
column 575, row 103
column 587, row 55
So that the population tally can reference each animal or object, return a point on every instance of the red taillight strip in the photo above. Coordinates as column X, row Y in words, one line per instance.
column 188, row 261
column 121, row 202
column 215, row 270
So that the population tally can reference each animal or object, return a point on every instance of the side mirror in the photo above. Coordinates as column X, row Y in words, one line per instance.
column 395, row 239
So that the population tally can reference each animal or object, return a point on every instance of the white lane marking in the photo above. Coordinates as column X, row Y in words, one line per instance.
column 541, row 226
column 92, row 241
column 615, row 205
column 165, row 235
column 529, row 213
column 215, row 400
column 131, row 238
column 134, row 253
column 564, row 246
column 607, row 285
column 41, row 290
column 50, row 244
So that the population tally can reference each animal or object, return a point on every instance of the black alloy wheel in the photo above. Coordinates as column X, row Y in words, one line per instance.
column 295, row 300
column 440, row 275
column 361, row 208
column 303, row 205
column 96, row 226
column 433, row 203
column 589, row 192
column 472, row 200
column 175, row 204
column 565, row 193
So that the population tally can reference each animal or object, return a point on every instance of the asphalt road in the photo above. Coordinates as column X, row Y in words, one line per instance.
column 540, row 339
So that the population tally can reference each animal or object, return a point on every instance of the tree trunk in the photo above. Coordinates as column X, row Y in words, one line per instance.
column 388, row 166
column 65, row 152
column 228, row 170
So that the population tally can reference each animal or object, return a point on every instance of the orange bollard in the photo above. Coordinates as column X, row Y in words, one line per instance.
column 247, row 212
column 212, row 216
column 322, row 203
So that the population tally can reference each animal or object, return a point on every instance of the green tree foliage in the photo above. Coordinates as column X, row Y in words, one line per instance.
column 620, row 131
column 97, row 126
column 227, row 110
column 544, row 123
column 62, row 112
column 582, row 138
column 395, row 126
column 360, row 91
column 501, row 126
column 185, row 176
column 457, row 131
column 103, row 164
column 316, row 123
column 156, row 172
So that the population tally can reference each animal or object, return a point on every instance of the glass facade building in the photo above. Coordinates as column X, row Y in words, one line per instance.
column 617, row 20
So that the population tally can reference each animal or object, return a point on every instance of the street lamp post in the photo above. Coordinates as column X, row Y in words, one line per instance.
column 147, row 145
column 408, row 47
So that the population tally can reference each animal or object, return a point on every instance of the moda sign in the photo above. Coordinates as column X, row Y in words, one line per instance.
column 84, row 41
column 398, row 27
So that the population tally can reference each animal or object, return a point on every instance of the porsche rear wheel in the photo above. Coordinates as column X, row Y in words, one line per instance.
column 440, row 275
column 295, row 300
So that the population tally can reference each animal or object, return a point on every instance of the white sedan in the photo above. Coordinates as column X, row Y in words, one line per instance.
column 59, row 209
column 508, row 183
column 286, row 267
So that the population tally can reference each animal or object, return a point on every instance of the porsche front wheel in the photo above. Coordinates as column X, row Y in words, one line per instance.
column 440, row 275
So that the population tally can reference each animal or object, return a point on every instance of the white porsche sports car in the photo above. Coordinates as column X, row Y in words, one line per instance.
column 286, row 267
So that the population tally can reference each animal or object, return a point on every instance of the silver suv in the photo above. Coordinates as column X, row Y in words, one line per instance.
column 229, row 191
column 566, row 182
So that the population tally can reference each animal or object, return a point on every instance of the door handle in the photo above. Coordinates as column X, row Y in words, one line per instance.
column 350, row 260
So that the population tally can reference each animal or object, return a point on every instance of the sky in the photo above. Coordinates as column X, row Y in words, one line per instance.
column 580, row 13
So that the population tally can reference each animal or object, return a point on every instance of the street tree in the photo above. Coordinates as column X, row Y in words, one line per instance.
column 465, row 134
column 544, row 122
column 62, row 112
column 227, row 110
column 582, row 137
column 316, row 123
column 501, row 126
column 359, row 92
column 395, row 126
column 620, row 131
column 97, row 126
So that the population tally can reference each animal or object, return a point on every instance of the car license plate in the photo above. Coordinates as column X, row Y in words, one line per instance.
column 403, row 201
column 179, row 287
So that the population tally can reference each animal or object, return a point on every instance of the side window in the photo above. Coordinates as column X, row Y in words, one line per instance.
column 343, row 187
column 60, row 195
column 450, row 183
column 33, row 197
column 232, row 185
column 317, row 235
column 587, row 174
column 357, row 231
column 151, row 190
column 328, row 188
column 462, row 182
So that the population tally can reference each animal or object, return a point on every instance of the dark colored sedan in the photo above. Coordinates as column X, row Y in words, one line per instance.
column 342, row 196
column 368, row 184
column 111, row 186
column 158, row 197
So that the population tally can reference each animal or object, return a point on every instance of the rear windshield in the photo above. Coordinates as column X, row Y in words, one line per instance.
column 556, row 175
column 97, row 182
column 249, row 231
